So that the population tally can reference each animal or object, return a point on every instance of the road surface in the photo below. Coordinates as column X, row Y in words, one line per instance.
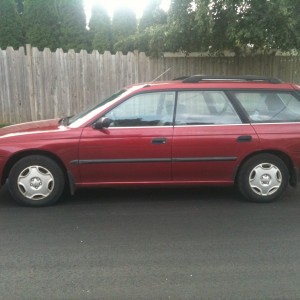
column 198, row 243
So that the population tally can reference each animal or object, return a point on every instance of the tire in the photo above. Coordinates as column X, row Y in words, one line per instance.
column 36, row 180
column 263, row 178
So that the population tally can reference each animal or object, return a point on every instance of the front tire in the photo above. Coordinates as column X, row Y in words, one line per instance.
column 263, row 178
column 36, row 180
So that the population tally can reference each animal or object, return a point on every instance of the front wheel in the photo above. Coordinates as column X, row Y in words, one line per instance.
column 36, row 180
column 263, row 178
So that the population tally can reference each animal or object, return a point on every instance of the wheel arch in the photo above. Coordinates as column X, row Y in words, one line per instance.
column 16, row 157
column 293, row 171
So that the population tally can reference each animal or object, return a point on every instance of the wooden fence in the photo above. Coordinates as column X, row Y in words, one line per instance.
column 37, row 84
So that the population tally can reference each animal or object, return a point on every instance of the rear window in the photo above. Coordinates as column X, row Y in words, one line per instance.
column 268, row 107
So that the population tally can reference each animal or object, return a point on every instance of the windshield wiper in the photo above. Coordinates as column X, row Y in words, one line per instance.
column 65, row 121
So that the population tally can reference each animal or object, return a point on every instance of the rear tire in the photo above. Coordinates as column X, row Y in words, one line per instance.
column 36, row 180
column 263, row 178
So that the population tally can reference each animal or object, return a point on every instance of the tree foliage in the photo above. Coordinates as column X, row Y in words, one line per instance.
column 10, row 25
column 152, row 15
column 124, row 24
column 100, row 29
column 151, row 36
column 183, row 29
column 243, row 25
column 72, row 25
column 41, row 24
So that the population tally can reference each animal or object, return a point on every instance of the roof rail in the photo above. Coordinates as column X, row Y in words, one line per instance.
column 180, row 78
column 197, row 78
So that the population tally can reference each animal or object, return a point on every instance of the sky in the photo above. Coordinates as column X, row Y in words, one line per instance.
column 136, row 5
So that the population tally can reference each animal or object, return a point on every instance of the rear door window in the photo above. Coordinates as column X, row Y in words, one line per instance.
column 204, row 108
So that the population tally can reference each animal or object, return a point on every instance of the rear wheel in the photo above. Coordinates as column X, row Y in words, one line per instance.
column 263, row 178
column 36, row 180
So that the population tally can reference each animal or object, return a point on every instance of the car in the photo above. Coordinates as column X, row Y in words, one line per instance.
column 194, row 130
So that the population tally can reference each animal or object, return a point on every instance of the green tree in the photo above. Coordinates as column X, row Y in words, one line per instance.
column 100, row 29
column 158, row 40
column 150, row 37
column 237, row 25
column 124, row 24
column 182, row 25
column 10, row 25
column 269, row 25
column 240, row 25
column 41, row 24
column 72, row 25
column 152, row 15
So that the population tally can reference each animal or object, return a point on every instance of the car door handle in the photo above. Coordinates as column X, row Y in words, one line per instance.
column 159, row 141
column 244, row 138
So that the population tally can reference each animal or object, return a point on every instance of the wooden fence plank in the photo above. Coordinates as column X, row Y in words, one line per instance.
column 5, row 91
column 10, row 92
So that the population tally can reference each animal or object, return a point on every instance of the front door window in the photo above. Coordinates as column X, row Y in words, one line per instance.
column 149, row 109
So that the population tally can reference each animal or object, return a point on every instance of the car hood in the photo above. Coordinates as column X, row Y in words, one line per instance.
column 31, row 127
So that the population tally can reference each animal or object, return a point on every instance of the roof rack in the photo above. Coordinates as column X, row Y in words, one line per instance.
column 181, row 78
column 197, row 78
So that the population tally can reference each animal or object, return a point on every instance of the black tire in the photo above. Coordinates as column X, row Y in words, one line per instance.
column 36, row 180
column 263, row 178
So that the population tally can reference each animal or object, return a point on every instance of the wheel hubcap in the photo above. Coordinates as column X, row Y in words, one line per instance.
column 265, row 179
column 35, row 182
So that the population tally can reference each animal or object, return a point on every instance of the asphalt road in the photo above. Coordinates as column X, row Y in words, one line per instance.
column 199, row 243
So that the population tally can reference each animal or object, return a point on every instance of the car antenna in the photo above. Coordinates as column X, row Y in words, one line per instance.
column 148, row 84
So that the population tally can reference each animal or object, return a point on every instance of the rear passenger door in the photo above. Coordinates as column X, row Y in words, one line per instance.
column 209, row 138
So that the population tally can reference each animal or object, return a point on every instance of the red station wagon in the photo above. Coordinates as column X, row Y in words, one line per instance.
column 197, row 130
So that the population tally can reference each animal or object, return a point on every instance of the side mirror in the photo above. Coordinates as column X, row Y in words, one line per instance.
column 102, row 123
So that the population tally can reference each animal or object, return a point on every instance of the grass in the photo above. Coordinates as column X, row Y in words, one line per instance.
column 3, row 125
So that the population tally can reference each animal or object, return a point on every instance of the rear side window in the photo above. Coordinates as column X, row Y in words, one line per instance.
column 204, row 108
column 268, row 107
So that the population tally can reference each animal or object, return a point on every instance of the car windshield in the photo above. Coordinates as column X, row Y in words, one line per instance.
column 82, row 116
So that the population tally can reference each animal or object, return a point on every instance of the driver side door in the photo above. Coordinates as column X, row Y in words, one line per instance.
column 135, row 148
